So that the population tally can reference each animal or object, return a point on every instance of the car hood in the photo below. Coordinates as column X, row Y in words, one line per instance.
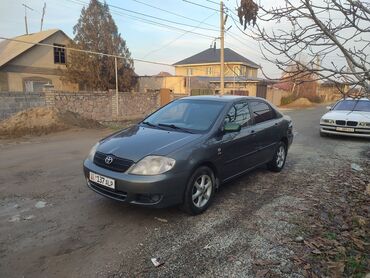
column 137, row 142
column 358, row 116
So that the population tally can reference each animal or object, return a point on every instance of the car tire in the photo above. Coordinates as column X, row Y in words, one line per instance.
column 278, row 161
column 202, row 183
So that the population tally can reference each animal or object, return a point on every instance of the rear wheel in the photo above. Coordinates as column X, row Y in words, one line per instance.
column 199, row 191
column 278, row 162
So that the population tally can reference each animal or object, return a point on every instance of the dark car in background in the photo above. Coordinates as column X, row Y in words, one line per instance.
column 182, row 152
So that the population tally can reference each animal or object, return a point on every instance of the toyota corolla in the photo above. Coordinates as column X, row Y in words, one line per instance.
column 182, row 152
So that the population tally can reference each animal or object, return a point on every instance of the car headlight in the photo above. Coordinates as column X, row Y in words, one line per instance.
column 92, row 152
column 327, row 121
column 152, row 165
column 364, row 124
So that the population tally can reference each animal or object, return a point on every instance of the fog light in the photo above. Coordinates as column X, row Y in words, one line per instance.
column 148, row 198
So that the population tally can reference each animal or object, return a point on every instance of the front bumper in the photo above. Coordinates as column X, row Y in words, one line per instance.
column 155, row 191
column 358, row 132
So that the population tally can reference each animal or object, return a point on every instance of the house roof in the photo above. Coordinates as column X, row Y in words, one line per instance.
column 163, row 73
column 212, row 55
column 11, row 49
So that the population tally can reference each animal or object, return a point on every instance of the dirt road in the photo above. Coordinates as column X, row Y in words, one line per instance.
column 52, row 225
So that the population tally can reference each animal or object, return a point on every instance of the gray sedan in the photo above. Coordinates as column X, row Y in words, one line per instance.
column 182, row 152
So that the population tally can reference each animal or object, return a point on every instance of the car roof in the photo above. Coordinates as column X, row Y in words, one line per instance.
column 224, row 98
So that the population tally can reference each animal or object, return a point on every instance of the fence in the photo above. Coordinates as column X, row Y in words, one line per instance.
column 99, row 106
column 13, row 102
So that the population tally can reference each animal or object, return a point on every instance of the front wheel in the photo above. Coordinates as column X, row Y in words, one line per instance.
column 278, row 162
column 199, row 191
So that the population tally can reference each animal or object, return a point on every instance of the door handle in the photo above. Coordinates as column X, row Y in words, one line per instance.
column 276, row 123
column 253, row 132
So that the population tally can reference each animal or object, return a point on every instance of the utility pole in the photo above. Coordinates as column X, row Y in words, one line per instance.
column 222, row 60
column 43, row 14
column 25, row 15
column 116, row 73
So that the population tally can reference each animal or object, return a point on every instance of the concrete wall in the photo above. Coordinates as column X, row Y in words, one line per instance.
column 37, row 63
column 12, row 103
column 274, row 95
column 329, row 93
column 99, row 106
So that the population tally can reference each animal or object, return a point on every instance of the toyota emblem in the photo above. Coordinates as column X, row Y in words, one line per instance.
column 108, row 160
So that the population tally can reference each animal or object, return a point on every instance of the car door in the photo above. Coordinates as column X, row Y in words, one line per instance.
column 238, row 148
column 267, row 128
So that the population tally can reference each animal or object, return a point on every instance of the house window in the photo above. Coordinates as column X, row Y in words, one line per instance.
column 189, row 71
column 59, row 54
column 209, row 70
column 35, row 84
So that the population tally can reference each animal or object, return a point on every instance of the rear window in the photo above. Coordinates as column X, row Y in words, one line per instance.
column 261, row 111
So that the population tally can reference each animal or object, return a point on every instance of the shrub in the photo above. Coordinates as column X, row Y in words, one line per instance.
column 288, row 99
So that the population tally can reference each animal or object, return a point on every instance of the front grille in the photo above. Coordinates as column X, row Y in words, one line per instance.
column 351, row 123
column 340, row 122
column 118, row 164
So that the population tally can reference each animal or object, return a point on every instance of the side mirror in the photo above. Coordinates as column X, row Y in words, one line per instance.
column 231, row 127
column 328, row 107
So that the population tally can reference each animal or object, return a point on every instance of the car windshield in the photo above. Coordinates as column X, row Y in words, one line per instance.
column 353, row 105
column 188, row 115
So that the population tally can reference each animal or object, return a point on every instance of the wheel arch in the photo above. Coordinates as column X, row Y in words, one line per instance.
column 285, row 140
column 210, row 165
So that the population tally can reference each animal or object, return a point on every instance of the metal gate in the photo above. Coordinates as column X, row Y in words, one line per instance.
column 261, row 90
column 165, row 96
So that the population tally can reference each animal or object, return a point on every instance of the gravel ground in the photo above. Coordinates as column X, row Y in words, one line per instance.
column 51, row 225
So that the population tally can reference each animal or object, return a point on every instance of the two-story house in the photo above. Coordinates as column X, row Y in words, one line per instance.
column 240, row 73
column 207, row 63
column 200, row 74
column 27, row 66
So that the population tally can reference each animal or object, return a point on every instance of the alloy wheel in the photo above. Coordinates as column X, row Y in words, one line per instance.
column 280, row 158
column 202, row 190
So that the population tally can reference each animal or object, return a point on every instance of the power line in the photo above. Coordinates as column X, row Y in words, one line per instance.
column 170, row 12
column 214, row 2
column 148, row 21
column 151, row 16
column 200, row 5
column 171, row 42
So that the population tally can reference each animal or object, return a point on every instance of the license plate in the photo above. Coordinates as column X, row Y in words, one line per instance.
column 346, row 129
column 102, row 180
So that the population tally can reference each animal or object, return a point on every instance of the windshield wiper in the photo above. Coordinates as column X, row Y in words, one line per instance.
column 175, row 127
column 149, row 124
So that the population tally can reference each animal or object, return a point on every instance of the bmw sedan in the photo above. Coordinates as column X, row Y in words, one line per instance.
column 349, row 117
column 181, row 153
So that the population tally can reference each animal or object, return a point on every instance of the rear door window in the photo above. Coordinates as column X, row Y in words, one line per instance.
column 262, row 112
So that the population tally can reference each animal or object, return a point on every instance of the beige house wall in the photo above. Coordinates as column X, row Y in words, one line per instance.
column 36, row 63
column 213, row 70
column 251, row 87
column 16, row 81
column 175, row 83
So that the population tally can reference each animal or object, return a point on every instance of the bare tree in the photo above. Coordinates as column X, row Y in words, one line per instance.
column 332, row 35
